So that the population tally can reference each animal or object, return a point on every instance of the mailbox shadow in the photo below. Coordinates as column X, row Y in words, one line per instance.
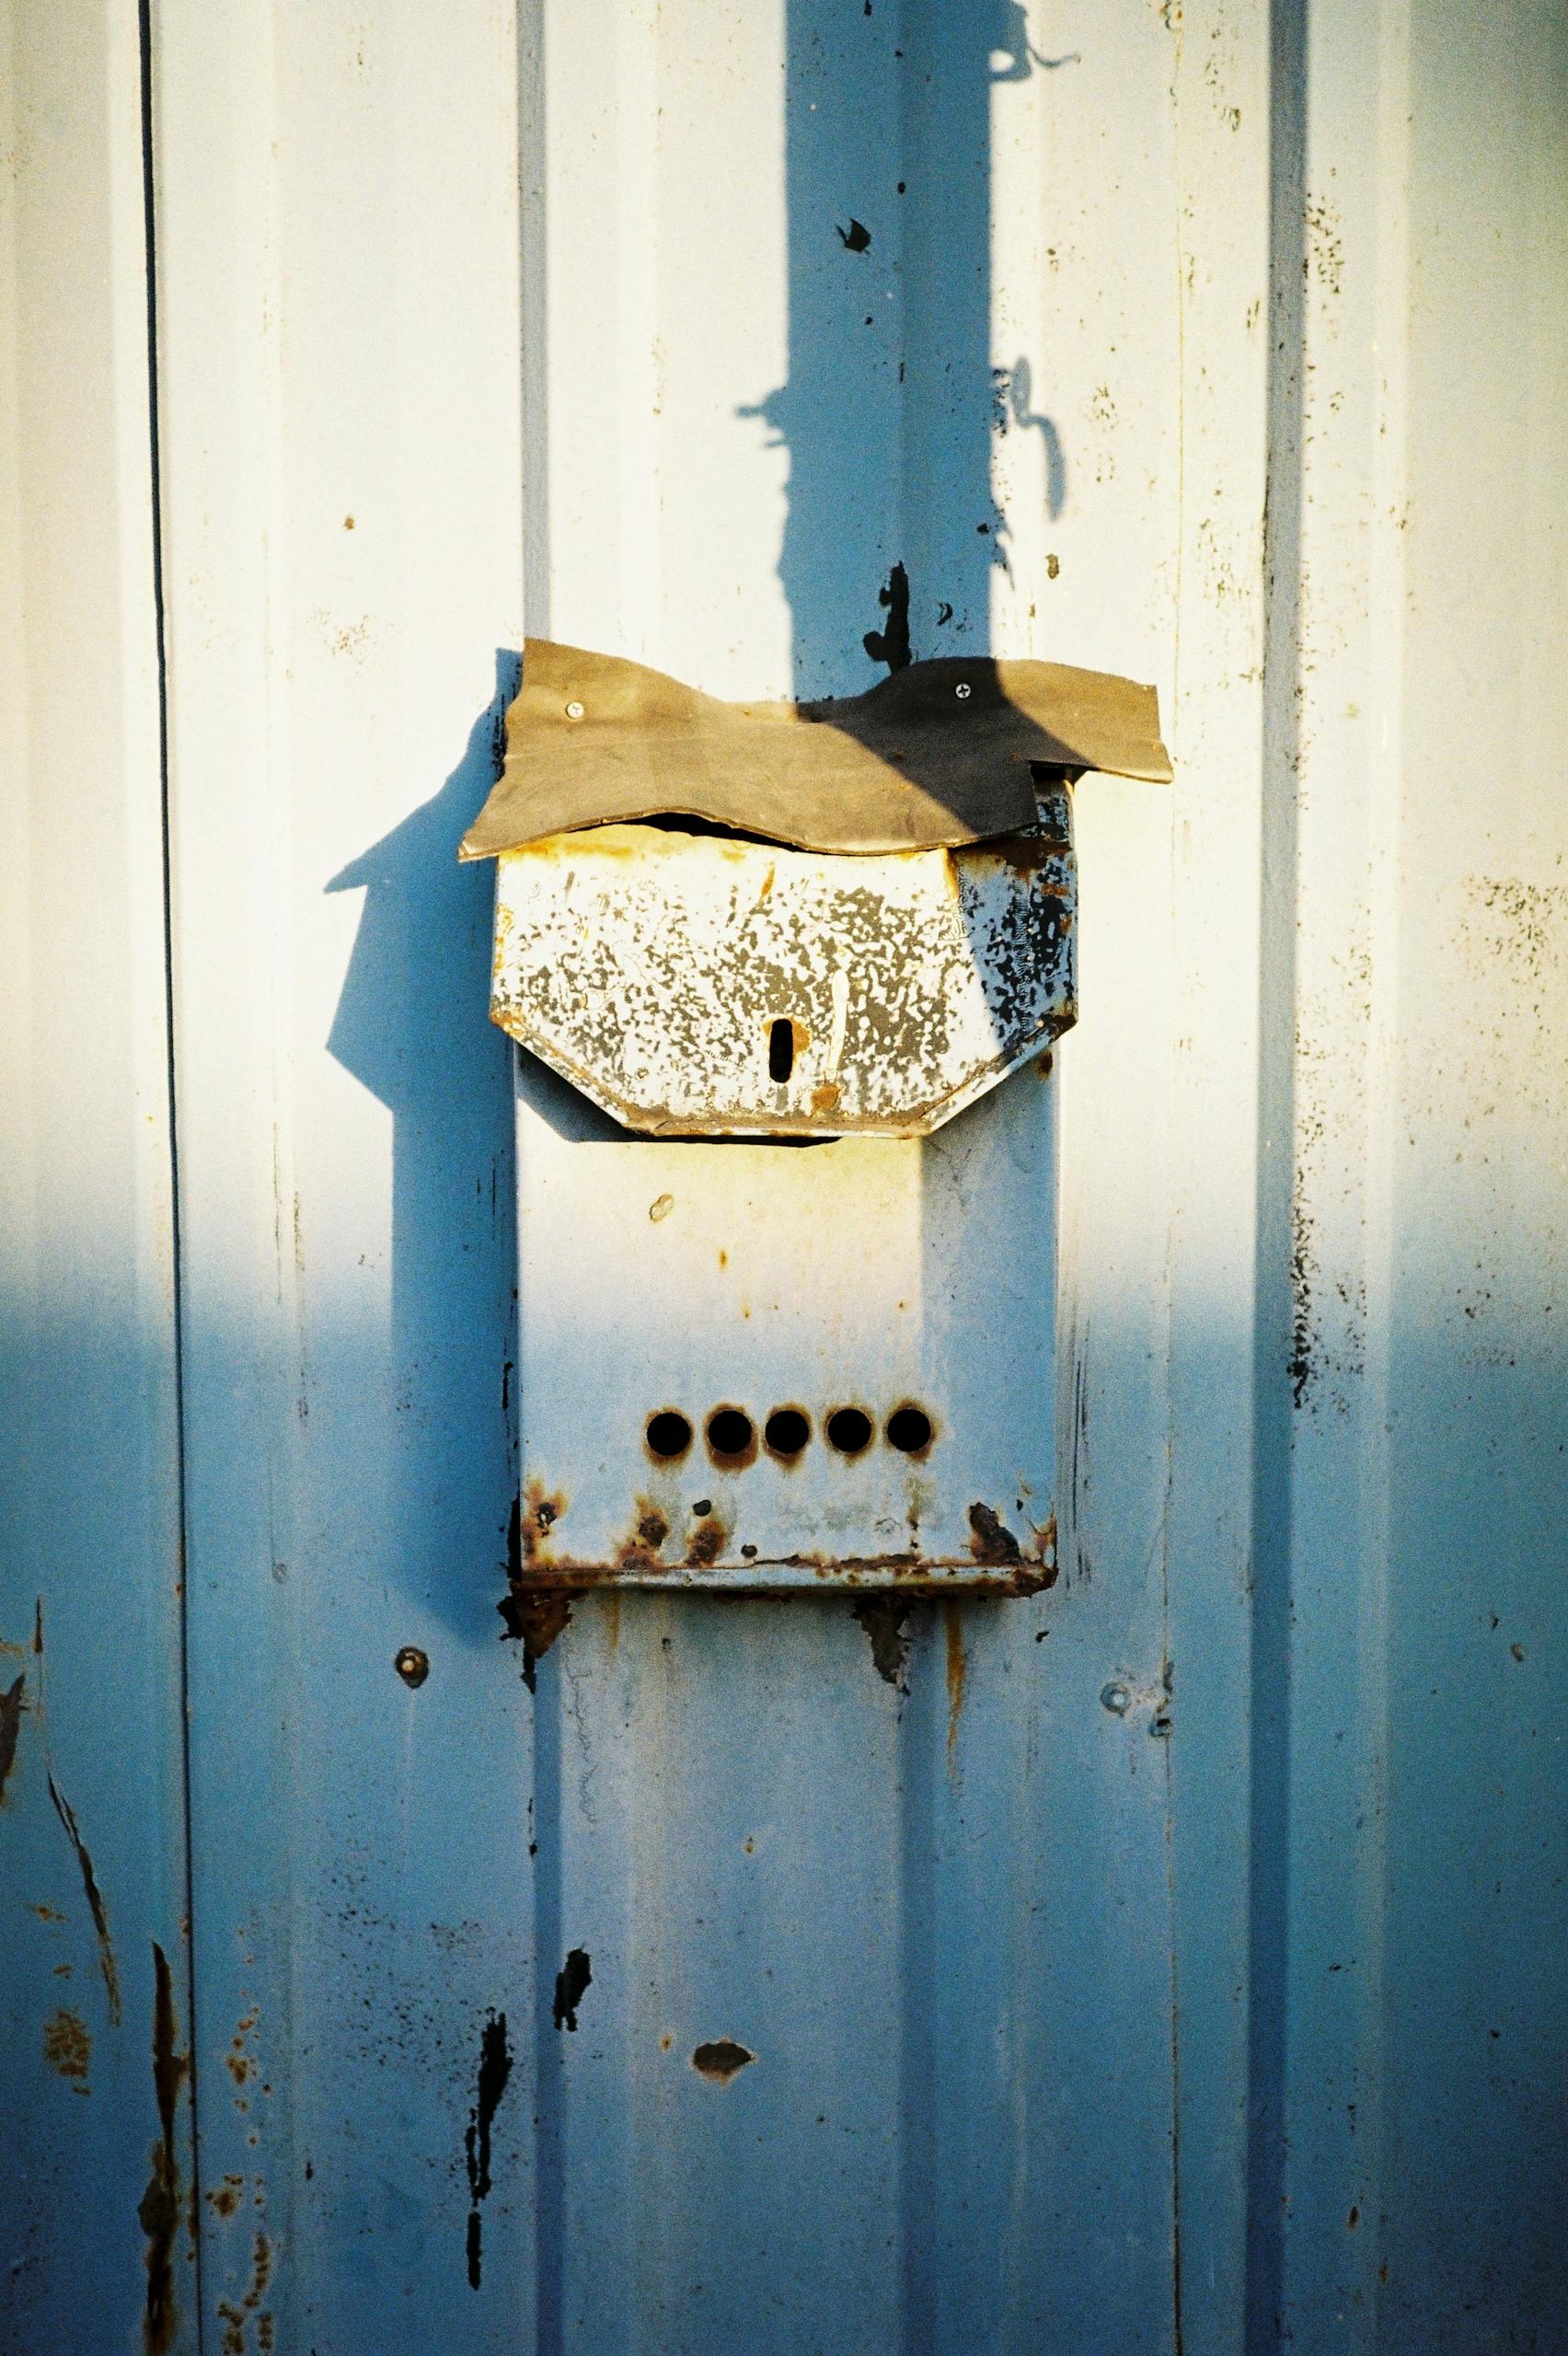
column 892, row 531
column 411, row 1025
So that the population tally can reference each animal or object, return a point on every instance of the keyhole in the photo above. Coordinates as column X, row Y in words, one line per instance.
column 780, row 1051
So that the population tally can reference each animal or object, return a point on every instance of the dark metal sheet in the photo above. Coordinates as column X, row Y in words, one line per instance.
column 937, row 754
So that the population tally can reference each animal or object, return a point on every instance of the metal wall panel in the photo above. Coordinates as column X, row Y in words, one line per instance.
column 337, row 201
column 1410, row 1991
column 94, row 1987
column 1174, row 1957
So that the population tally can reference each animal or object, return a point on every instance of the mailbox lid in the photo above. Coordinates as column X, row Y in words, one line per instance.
column 698, row 983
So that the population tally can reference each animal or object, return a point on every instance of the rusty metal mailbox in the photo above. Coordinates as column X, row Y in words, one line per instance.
column 787, row 1243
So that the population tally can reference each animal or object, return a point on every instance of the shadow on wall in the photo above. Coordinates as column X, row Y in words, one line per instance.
column 894, row 530
column 411, row 1025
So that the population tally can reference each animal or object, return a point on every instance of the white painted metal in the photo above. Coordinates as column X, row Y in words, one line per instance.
column 650, row 968
column 91, row 1766
column 686, row 1278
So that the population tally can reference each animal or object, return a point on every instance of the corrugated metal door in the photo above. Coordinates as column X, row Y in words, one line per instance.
column 1173, row 1959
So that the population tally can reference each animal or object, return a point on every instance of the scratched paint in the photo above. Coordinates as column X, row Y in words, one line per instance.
column 652, row 969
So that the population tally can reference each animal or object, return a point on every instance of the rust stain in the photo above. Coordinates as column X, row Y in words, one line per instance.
column 730, row 1459
column 707, row 1541
column 94, row 1901
column 539, row 1510
column 825, row 1099
column 68, row 2047
column 722, row 2061
column 495, row 2069
column 990, row 1539
column 794, row 1423
column 649, row 1532
column 224, row 2197
column 531, row 1615
column 957, row 1669
column 904, row 1407
column 159, row 2209
column 12, row 1704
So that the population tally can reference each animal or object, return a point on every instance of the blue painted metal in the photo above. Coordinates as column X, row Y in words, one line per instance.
column 1174, row 1959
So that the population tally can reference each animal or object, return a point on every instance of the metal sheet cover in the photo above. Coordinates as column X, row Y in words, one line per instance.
column 938, row 754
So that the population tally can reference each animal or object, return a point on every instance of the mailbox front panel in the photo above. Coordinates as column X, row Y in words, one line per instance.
column 760, row 1365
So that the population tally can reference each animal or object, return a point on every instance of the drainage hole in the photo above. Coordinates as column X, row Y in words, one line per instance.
column 910, row 1430
column 729, row 1432
column 669, row 1435
column 787, row 1431
column 850, row 1430
column 780, row 1051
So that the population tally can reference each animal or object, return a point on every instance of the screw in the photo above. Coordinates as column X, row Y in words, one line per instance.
column 411, row 1665
column 1116, row 1699
column 962, row 689
column 574, row 711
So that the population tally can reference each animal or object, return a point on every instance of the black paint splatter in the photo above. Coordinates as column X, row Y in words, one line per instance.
column 575, row 1977
column 495, row 2068
column 892, row 645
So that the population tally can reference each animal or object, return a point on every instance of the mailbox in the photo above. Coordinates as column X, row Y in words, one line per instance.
column 789, row 980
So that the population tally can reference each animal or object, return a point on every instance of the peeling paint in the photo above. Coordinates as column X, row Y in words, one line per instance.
column 649, row 967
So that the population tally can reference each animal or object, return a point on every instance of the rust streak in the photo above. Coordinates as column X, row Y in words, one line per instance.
column 957, row 1669
column 95, row 1901
column 159, row 2211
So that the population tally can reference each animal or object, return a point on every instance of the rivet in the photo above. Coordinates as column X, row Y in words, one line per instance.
column 1115, row 1698
column 574, row 711
column 961, row 690
column 411, row 1665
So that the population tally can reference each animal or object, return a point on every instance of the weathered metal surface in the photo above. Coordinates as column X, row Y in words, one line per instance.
column 695, row 985
column 786, row 1392
column 1143, row 1902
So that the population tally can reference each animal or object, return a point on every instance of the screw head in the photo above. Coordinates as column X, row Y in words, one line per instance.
column 411, row 1665
column 574, row 709
column 1116, row 1699
column 961, row 690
